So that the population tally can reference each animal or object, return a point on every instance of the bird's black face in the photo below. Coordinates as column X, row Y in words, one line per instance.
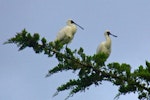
column 72, row 21
column 108, row 33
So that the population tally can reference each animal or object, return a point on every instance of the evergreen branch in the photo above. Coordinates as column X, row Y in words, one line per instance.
column 92, row 69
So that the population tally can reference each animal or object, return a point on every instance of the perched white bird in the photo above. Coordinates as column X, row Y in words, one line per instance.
column 105, row 46
column 66, row 34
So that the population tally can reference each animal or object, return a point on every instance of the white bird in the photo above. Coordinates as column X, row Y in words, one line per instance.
column 105, row 46
column 66, row 34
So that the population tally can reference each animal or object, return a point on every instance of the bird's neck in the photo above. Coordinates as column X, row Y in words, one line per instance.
column 108, row 42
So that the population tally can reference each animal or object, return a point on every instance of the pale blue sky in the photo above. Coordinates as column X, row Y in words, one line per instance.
column 22, row 74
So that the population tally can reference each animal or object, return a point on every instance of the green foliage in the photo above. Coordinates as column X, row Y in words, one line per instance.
column 91, row 69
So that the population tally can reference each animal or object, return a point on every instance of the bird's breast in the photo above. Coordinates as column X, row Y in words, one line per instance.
column 73, row 29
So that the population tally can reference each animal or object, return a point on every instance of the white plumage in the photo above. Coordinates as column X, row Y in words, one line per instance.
column 105, row 46
column 66, row 34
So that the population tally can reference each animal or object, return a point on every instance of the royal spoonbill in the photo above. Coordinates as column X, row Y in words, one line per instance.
column 105, row 46
column 66, row 34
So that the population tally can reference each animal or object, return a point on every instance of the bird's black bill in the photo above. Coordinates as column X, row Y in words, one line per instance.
column 79, row 26
column 113, row 35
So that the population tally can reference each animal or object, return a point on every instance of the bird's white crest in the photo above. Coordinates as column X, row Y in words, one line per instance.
column 105, row 46
column 66, row 34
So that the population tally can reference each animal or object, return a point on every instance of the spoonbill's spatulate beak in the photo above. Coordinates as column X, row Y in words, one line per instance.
column 79, row 26
column 113, row 35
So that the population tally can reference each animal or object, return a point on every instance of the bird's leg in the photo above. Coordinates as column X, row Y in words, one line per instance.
column 66, row 46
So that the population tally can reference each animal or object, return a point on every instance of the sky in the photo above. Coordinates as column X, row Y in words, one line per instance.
column 22, row 74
